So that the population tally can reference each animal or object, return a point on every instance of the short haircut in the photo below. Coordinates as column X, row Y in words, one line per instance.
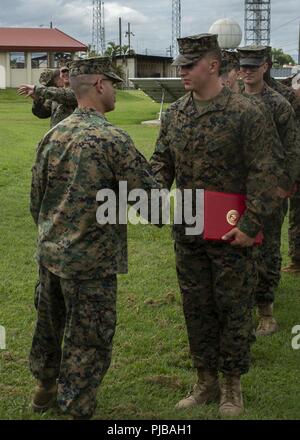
column 81, row 84
column 217, row 54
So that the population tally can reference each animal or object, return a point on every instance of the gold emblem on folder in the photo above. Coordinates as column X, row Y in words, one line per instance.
column 233, row 217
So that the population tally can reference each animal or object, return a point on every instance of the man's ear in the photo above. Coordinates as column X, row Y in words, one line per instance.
column 214, row 66
column 99, row 86
column 266, row 67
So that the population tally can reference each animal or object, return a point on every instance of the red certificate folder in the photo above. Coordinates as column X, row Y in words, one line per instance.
column 222, row 212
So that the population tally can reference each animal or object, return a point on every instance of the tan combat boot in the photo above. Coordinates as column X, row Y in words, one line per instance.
column 44, row 396
column 294, row 267
column 267, row 325
column 206, row 390
column 231, row 404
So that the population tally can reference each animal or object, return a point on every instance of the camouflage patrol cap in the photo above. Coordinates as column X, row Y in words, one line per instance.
column 94, row 66
column 253, row 55
column 47, row 77
column 230, row 60
column 195, row 47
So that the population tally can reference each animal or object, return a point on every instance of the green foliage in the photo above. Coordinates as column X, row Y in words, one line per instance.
column 114, row 49
column 280, row 58
column 151, row 369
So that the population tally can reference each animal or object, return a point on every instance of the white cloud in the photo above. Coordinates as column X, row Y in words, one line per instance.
column 115, row 10
column 150, row 21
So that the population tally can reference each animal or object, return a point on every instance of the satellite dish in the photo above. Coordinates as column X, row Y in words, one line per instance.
column 296, row 82
column 229, row 33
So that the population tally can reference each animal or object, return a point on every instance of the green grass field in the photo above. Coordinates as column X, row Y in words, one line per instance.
column 151, row 369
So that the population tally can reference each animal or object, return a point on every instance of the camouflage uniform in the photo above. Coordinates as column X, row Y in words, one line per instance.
column 269, row 254
column 294, row 213
column 79, row 258
column 59, row 103
column 230, row 61
column 222, row 148
column 40, row 107
column 52, row 102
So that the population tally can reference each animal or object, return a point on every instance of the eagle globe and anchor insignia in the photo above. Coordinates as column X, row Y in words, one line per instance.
column 233, row 217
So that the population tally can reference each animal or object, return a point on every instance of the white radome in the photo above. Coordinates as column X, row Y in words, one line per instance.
column 229, row 33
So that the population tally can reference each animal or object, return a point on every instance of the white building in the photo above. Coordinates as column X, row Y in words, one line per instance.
column 26, row 52
column 145, row 66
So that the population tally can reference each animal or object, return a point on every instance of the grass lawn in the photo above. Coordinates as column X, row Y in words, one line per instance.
column 151, row 369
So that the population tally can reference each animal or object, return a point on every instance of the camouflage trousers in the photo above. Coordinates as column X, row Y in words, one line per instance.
column 72, row 342
column 294, row 227
column 217, row 283
column 268, row 257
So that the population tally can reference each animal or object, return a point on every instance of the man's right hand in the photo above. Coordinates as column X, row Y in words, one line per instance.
column 238, row 238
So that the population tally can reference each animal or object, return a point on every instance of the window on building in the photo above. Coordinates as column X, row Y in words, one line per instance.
column 39, row 60
column 17, row 60
column 61, row 58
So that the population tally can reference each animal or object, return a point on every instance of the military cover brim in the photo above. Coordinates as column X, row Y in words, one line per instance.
column 114, row 77
column 251, row 62
column 186, row 60
column 94, row 66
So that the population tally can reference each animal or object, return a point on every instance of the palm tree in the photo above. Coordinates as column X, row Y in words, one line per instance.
column 125, row 50
column 112, row 50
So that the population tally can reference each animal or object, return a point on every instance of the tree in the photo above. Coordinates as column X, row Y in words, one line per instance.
column 280, row 58
column 113, row 50
column 126, row 51
column 92, row 52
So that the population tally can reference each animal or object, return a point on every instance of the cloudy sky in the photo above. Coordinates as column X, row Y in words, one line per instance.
column 150, row 20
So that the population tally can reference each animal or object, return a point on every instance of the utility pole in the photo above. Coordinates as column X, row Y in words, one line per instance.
column 120, row 32
column 128, row 35
column 299, row 47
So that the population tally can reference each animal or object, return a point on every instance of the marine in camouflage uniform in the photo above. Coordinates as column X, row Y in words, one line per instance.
column 217, row 145
column 294, row 205
column 63, row 102
column 78, row 258
column 42, row 108
column 229, row 71
column 52, row 101
column 269, row 254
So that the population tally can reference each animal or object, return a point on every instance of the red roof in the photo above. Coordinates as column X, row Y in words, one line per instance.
column 38, row 40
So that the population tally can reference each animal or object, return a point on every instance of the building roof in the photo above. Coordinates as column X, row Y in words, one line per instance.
column 38, row 40
column 145, row 57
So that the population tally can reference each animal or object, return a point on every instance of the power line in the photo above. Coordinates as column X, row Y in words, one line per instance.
column 284, row 24
column 285, row 44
